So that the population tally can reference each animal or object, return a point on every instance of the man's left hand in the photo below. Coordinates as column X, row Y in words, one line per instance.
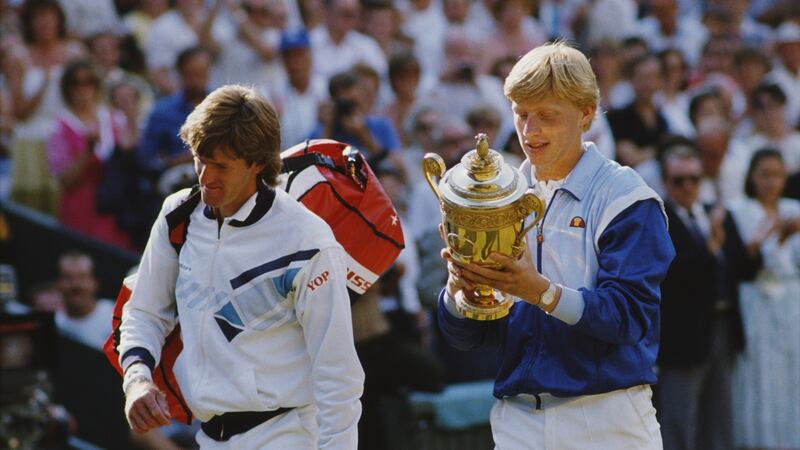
column 517, row 276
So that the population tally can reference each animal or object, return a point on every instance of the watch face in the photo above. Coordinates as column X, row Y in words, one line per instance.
column 547, row 297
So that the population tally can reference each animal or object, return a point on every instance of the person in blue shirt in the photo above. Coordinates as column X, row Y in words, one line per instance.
column 161, row 147
column 347, row 120
column 578, row 348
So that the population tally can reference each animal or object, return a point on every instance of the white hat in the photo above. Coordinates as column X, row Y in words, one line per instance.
column 788, row 32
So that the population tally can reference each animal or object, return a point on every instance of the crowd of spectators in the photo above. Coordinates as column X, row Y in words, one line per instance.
column 701, row 98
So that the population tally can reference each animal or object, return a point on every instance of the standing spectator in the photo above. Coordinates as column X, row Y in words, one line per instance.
column 84, row 318
column 86, row 135
column 161, row 147
column 34, row 74
column 766, row 406
column 188, row 25
column 337, row 46
column 298, row 99
column 697, row 349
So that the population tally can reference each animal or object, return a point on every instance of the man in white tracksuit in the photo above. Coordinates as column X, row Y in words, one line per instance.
column 258, row 288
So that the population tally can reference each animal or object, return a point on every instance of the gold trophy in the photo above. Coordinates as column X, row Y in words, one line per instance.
column 484, row 206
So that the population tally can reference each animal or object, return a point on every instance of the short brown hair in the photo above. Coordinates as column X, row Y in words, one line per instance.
column 554, row 69
column 240, row 122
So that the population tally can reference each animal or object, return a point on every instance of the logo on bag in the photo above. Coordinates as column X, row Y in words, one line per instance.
column 318, row 281
column 577, row 222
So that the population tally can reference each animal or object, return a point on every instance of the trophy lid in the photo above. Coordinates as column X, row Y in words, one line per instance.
column 482, row 179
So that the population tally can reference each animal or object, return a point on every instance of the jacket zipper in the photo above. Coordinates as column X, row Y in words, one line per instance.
column 210, row 283
column 539, row 235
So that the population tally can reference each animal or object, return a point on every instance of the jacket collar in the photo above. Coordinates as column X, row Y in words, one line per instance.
column 252, row 210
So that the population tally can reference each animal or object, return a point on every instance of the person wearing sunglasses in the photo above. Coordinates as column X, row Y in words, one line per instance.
column 701, row 327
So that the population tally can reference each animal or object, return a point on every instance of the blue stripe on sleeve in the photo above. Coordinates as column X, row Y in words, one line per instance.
column 279, row 263
column 138, row 355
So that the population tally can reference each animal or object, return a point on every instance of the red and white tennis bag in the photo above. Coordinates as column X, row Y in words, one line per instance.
column 333, row 180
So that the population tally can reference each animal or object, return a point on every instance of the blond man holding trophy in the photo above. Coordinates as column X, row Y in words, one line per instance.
column 579, row 340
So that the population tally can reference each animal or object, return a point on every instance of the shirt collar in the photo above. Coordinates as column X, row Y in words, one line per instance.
column 577, row 181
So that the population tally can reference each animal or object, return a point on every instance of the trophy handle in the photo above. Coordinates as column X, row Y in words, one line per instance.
column 529, row 203
column 433, row 166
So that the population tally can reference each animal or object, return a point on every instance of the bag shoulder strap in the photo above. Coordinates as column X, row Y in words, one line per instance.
column 178, row 219
column 301, row 162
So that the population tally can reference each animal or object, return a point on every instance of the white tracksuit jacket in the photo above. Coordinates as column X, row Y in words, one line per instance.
column 264, row 313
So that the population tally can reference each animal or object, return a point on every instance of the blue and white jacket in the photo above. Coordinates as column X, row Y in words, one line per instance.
column 604, row 239
column 264, row 313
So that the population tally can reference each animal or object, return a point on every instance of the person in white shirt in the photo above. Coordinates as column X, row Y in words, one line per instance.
column 258, row 288
column 85, row 318
column 787, row 73
column 297, row 99
column 337, row 46
column 251, row 56
column 188, row 25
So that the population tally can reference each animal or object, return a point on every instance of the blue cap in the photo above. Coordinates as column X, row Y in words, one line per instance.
column 295, row 39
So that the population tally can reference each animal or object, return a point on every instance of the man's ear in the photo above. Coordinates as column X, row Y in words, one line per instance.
column 587, row 117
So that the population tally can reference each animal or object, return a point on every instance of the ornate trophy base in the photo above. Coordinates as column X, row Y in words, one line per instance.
column 488, row 304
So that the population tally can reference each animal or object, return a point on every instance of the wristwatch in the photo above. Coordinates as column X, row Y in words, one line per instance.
column 548, row 296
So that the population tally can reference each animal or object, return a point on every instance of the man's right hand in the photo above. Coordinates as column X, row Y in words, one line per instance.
column 145, row 406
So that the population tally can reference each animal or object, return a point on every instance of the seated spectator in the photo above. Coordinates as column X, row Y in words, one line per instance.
column 251, row 56
column 346, row 120
column 298, row 98
column 85, row 136
column 337, row 46
column 517, row 31
column 85, row 318
column 189, row 24
column 640, row 126
column 404, row 78
column 160, row 146
column 787, row 73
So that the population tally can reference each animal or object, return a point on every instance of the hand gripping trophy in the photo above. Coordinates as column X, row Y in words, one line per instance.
column 485, row 203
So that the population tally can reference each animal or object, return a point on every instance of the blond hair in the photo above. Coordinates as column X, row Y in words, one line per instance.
column 557, row 70
column 237, row 120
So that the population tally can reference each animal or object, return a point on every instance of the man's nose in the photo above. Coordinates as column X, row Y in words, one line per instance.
column 531, row 127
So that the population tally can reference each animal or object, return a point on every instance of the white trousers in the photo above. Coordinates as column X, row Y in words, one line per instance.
column 295, row 430
column 618, row 420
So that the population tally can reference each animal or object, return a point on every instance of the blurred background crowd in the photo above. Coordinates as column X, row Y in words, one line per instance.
column 701, row 97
